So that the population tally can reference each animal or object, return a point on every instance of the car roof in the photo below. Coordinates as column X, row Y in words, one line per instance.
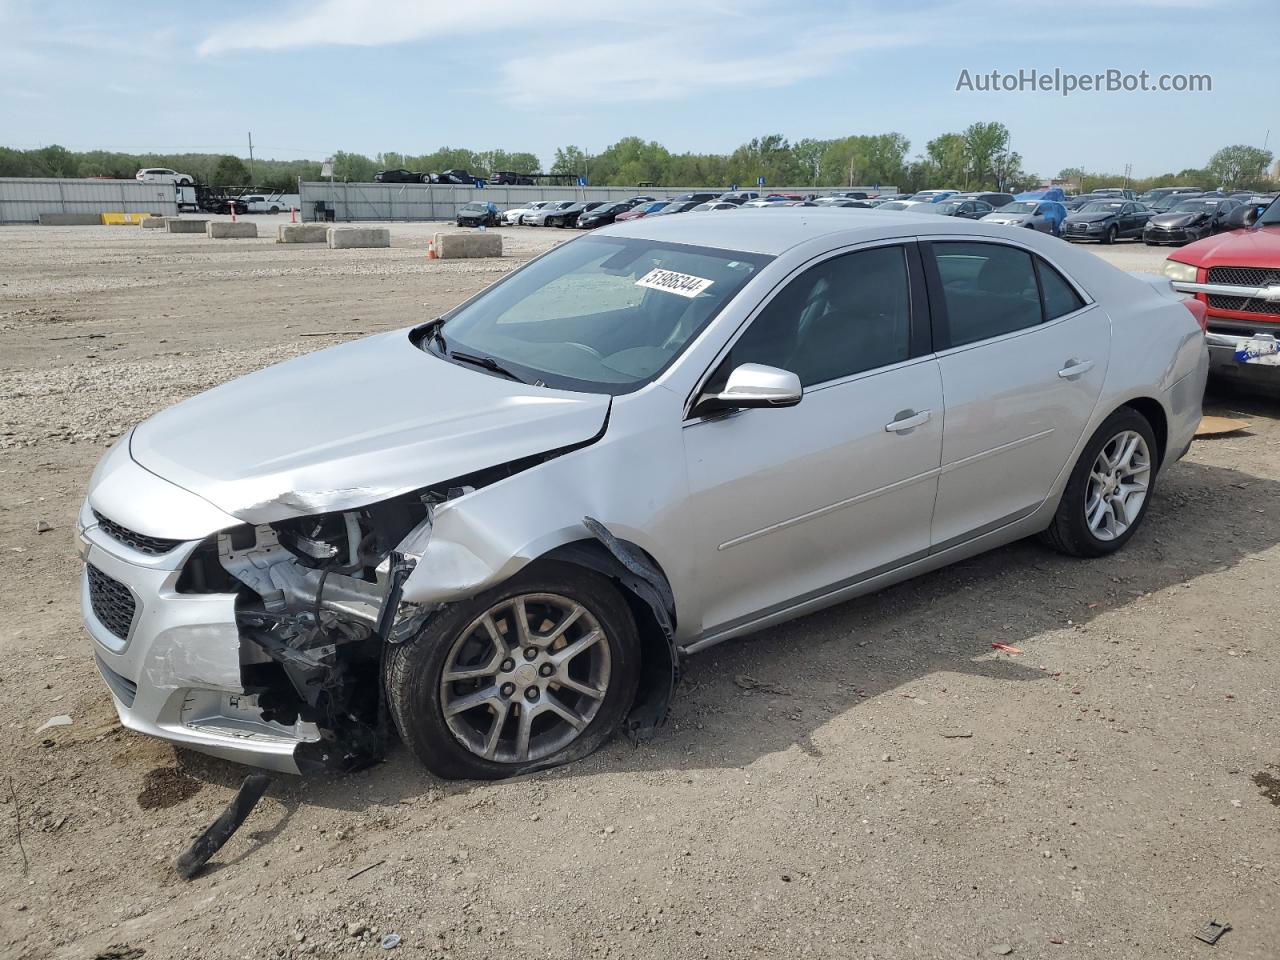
column 772, row 232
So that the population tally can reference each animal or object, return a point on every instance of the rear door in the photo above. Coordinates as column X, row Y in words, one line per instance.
column 1023, row 354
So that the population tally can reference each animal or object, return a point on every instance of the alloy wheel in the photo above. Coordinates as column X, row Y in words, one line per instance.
column 1118, row 484
column 525, row 678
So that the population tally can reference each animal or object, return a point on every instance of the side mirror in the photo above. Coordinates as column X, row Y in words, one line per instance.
column 1243, row 217
column 754, row 385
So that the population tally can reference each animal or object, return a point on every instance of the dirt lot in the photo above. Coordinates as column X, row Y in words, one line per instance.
column 873, row 781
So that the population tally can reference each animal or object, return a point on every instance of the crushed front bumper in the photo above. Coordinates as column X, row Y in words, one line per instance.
column 171, row 660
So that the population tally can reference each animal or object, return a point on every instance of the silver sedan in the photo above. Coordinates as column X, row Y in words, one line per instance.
column 1034, row 214
column 500, row 531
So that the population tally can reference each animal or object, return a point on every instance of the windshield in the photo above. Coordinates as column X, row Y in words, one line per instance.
column 654, row 206
column 945, row 207
column 1019, row 206
column 1164, row 203
column 600, row 314
column 1194, row 206
column 475, row 208
column 1271, row 215
column 1102, row 206
column 895, row 205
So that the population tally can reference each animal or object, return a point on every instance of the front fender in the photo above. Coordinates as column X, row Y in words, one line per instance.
column 632, row 479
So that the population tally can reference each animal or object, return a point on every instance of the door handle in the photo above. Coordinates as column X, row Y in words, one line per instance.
column 907, row 420
column 1075, row 368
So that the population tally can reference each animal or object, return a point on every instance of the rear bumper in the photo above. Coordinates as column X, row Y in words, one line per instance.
column 1183, row 404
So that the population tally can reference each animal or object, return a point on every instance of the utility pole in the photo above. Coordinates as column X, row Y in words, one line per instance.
column 252, row 181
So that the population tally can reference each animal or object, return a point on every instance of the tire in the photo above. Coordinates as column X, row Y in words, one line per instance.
column 1111, row 234
column 1071, row 531
column 458, row 639
column 275, row 209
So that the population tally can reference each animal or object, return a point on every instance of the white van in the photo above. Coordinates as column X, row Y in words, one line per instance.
column 163, row 175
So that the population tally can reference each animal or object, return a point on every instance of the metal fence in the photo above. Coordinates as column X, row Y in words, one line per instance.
column 428, row 201
column 23, row 199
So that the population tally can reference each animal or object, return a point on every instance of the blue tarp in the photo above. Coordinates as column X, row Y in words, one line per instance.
column 1053, row 193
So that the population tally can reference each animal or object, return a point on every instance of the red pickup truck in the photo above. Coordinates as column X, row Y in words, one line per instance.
column 1236, row 275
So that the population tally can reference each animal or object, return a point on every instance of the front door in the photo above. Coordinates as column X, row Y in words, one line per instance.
column 791, row 503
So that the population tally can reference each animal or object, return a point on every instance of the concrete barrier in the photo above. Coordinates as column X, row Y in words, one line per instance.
column 226, row 230
column 456, row 246
column 343, row 238
column 153, row 223
column 123, row 219
column 178, row 225
column 302, row 233
column 70, row 220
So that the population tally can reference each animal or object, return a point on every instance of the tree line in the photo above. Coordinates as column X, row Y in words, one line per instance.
column 1236, row 167
column 976, row 158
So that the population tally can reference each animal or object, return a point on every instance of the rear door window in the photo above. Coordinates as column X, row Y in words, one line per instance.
column 989, row 289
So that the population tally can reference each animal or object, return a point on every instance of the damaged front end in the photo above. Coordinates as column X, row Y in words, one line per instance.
column 266, row 642
column 318, row 599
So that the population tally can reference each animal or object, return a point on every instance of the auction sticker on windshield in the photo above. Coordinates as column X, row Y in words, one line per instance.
column 681, row 284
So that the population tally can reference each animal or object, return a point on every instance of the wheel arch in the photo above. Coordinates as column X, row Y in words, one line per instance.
column 647, row 591
column 1155, row 414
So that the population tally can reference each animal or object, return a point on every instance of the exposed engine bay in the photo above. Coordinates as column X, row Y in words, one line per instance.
column 318, row 600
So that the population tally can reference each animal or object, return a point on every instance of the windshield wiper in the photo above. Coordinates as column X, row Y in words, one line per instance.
column 488, row 363
column 433, row 335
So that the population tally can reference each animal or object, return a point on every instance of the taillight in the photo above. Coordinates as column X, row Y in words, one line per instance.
column 1199, row 311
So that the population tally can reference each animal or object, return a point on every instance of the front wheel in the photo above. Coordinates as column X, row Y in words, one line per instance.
column 1110, row 488
column 530, row 674
column 1111, row 234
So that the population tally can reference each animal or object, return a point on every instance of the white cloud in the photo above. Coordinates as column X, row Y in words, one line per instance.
column 600, row 51
column 372, row 23
column 675, row 67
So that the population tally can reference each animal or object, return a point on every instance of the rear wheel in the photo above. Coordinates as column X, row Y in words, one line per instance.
column 533, row 673
column 1110, row 488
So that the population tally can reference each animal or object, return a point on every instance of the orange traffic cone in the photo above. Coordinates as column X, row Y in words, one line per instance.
column 431, row 249
column 233, row 211
column 293, row 214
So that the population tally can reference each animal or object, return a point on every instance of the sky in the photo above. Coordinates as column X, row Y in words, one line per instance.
column 369, row 76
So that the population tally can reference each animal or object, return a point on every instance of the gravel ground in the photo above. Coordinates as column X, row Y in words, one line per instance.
column 873, row 781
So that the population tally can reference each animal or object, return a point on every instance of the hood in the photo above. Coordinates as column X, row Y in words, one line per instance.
column 998, row 217
column 1176, row 219
column 1257, row 247
column 1089, row 217
column 354, row 425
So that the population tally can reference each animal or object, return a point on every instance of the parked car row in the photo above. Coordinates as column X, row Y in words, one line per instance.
column 1169, row 215
column 597, row 213
column 401, row 175
column 1177, row 219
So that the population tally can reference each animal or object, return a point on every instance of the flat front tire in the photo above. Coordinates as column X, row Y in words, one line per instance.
column 533, row 673
column 1110, row 488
